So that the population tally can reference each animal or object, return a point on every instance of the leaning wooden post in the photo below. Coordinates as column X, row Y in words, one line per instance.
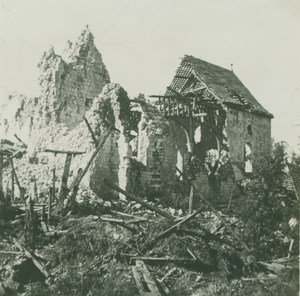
column 35, row 193
column 91, row 131
column 1, row 181
column 175, row 226
column 224, row 222
column 21, row 189
column 30, row 224
column 31, row 255
column 290, row 248
column 139, row 200
column 53, row 184
column 49, row 204
column 12, row 187
column 64, row 183
column 81, row 174
column 191, row 200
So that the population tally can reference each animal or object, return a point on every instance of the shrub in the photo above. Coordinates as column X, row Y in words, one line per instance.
column 268, row 205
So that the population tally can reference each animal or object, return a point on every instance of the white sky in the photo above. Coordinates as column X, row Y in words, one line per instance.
column 141, row 42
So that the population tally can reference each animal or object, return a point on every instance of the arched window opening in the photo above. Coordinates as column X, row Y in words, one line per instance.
column 248, row 158
column 197, row 135
column 249, row 129
column 208, row 141
column 179, row 165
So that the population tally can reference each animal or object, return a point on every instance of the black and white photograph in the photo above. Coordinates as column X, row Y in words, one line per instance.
column 149, row 148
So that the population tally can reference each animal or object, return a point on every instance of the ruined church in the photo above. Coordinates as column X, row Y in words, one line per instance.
column 207, row 129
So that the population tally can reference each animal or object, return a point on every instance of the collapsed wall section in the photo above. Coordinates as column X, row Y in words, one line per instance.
column 110, row 108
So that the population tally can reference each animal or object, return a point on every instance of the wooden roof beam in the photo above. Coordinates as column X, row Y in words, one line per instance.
column 173, row 90
column 181, row 77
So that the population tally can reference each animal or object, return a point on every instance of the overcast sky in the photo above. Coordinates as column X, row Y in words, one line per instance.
column 141, row 42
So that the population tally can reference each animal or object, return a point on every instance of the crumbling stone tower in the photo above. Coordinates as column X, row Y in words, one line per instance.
column 70, row 83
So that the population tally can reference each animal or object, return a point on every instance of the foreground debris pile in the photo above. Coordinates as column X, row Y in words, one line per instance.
column 133, row 247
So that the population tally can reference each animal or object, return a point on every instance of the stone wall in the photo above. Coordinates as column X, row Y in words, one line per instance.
column 156, row 149
column 113, row 161
column 243, row 128
column 162, row 141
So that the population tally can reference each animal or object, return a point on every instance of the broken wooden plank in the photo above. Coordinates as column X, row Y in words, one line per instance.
column 274, row 267
column 5, row 153
column 237, row 237
column 10, row 252
column 128, row 215
column 285, row 260
column 91, row 131
column 23, row 144
column 197, row 263
column 139, row 101
column 30, row 255
column 143, row 278
column 207, row 235
column 172, row 270
column 192, row 254
column 17, row 154
column 178, row 224
column 64, row 151
column 138, row 200
column 108, row 219
column 222, row 225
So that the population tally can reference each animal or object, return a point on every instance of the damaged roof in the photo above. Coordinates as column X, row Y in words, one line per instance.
column 222, row 83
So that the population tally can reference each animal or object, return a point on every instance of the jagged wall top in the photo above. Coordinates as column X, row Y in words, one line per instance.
column 83, row 49
column 69, row 83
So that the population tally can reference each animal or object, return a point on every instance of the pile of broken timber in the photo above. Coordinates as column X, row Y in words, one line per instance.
column 147, row 284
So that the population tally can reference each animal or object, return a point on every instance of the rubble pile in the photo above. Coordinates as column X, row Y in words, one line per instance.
column 95, row 251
